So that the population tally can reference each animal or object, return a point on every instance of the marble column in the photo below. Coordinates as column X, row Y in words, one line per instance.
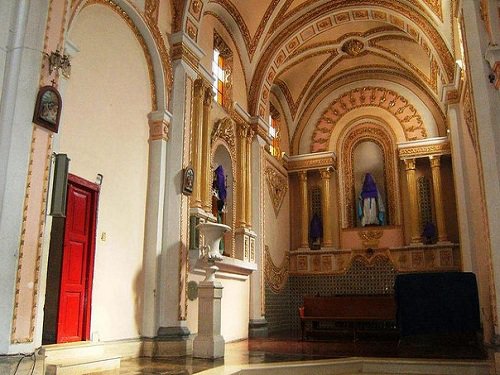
column 206, row 172
column 326, row 208
column 158, row 135
column 197, row 134
column 412, row 193
column 438, row 197
column 304, row 213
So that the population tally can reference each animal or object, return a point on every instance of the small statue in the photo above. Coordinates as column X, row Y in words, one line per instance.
column 371, row 210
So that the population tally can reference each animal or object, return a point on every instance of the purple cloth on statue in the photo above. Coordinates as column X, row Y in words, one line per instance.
column 369, row 188
column 316, row 229
column 220, row 183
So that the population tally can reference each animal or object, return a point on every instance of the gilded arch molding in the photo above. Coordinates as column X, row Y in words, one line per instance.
column 356, row 135
column 398, row 106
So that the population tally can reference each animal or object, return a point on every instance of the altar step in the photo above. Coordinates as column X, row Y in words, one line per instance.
column 79, row 358
column 108, row 366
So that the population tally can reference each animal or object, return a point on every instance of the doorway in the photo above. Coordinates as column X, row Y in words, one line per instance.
column 71, row 263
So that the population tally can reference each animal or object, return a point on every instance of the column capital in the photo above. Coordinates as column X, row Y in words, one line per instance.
column 325, row 174
column 435, row 161
column 208, row 96
column 159, row 123
column 409, row 164
column 302, row 176
column 243, row 129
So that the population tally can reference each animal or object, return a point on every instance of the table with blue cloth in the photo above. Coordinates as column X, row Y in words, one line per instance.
column 437, row 303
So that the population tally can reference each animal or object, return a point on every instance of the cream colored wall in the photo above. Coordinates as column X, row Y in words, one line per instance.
column 206, row 42
column 104, row 130
column 234, row 310
column 276, row 227
column 477, row 230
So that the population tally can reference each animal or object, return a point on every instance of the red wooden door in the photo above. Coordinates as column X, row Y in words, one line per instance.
column 77, row 263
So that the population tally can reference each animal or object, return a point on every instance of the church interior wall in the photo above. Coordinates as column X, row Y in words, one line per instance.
column 276, row 227
column 114, row 95
column 481, row 265
column 405, row 203
column 165, row 17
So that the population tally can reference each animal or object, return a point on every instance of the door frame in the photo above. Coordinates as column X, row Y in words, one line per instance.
column 94, row 189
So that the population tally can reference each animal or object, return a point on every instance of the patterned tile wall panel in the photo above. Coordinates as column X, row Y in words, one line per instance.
column 278, row 310
column 282, row 309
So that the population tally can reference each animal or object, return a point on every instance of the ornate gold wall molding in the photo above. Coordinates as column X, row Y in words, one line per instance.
column 378, row 135
column 277, row 185
column 224, row 129
column 425, row 150
column 437, row 258
column 397, row 105
column 275, row 276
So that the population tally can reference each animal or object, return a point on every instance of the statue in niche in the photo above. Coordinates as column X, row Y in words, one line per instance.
column 316, row 232
column 371, row 209
column 219, row 195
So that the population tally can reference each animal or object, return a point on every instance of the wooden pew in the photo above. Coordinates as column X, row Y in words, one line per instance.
column 347, row 308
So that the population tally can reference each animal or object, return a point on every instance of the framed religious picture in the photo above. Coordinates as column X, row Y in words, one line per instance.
column 188, row 181
column 48, row 108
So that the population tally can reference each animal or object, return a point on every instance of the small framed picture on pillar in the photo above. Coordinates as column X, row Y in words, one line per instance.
column 48, row 108
column 188, row 180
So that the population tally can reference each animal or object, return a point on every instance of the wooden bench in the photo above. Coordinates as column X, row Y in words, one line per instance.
column 347, row 308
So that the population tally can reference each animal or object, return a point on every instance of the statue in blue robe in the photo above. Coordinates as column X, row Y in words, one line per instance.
column 371, row 210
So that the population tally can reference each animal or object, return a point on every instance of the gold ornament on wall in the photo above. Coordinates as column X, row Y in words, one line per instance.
column 224, row 129
column 275, row 276
column 278, row 186
column 353, row 47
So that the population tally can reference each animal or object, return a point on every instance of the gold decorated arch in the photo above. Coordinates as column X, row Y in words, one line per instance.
column 380, row 136
column 392, row 102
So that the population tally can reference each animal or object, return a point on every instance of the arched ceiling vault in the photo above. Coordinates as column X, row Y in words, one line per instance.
column 299, row 47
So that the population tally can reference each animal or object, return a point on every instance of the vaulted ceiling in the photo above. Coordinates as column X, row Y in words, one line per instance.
column 300, row 50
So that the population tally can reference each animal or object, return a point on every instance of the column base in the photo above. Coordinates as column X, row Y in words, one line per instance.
column 257, row 328
column 208, row 347
column 173, row 333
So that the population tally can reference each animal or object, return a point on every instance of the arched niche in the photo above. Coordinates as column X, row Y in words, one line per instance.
column 223, row 152
column 368, row 157
column 358, row 144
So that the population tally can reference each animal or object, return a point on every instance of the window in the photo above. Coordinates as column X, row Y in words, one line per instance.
column 219, row 76
column 274, row 132
column 221, row 69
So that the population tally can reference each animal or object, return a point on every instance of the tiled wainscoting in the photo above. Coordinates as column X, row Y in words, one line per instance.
column 282, row 307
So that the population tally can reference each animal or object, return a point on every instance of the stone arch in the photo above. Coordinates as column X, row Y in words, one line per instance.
column 385, row 140
column 394, row 103
column 151, row 41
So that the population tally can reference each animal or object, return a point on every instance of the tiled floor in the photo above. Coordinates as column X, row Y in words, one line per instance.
column 281, row 349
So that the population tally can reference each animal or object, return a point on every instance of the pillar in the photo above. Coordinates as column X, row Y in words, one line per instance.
column 197, row 134
column 241, row 208
column 326, row 208
column 438, row 197
column 206, row 172
column 248, row 178
column 209, row 343
column 304, row 213
column 412, row 193
column 158, row 135
column 173, row 333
